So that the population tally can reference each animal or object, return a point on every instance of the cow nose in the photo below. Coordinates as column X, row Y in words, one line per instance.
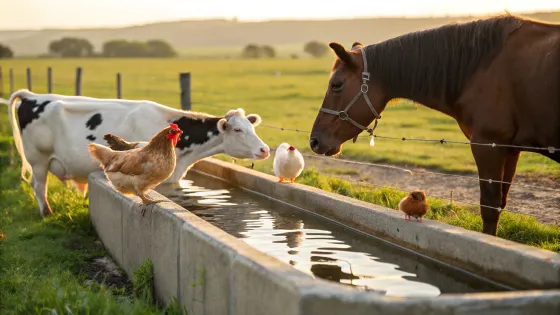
column 313, row 143
column 265, row 151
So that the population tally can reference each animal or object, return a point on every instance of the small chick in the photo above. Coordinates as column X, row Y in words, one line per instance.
column 414, row 205
column 288, row 162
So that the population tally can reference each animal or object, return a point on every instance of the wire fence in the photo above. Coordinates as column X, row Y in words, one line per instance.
column 146, row 90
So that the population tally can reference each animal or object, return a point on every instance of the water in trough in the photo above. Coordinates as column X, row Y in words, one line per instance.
column 318, row 246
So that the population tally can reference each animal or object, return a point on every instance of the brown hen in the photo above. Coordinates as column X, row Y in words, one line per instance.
column 414, row 205
column 135, row 171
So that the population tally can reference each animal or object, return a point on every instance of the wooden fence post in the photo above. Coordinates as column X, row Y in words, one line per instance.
column 119, row 86
column 78, row 89
column 185, row 82
column 11, row 81
column 1, row 82
column 49, row 80
column 28, row 74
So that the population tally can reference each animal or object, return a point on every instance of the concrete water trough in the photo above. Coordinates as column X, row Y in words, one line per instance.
column 211, row 271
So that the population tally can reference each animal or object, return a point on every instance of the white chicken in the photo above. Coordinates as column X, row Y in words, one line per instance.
column 288, row 162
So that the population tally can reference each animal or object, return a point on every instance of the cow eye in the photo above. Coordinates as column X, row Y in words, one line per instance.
column 237, row 130
column 336, row 86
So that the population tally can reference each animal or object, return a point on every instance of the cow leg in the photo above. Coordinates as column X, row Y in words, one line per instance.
column 509, row 173
column 490, row 163
column 81, row 187
column 39, row 182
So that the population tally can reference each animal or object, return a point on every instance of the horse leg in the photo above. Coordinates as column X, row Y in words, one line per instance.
column 490, row 163
column 509, row 173
column 39, row 182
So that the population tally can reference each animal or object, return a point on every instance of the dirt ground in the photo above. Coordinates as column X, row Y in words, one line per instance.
column 534, row 201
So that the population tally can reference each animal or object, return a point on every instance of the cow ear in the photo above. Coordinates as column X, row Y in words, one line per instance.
column 255, row 119
column 222, row 124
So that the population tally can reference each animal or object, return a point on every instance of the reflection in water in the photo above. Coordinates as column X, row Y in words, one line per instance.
column 316, row 246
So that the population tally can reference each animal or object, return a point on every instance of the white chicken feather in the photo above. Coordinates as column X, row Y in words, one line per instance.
column 288, row 162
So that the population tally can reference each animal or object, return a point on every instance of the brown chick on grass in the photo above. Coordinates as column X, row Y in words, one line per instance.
column 135, row 171
column 414, row 205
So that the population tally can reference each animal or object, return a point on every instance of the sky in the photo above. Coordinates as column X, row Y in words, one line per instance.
column 35, row 14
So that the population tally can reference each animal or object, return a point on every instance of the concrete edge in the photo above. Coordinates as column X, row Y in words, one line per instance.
column 516, row 264
column 254, row 282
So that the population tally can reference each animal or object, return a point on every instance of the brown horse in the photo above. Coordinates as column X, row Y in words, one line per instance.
column 499, row 78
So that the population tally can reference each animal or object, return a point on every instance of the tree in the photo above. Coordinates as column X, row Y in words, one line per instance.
column 121, row 48
column 316, row 49
column 251, row 51
column 6, row 52
column 159, row 48
column 268, row 51
column 71, row 47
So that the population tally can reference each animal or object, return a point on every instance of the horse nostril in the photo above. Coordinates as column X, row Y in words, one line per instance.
column 313, row 142
column 263, row 150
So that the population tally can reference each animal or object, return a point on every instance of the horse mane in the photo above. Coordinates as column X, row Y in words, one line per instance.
column 438, row 62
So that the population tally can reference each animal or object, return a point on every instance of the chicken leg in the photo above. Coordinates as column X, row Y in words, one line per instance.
column 292, row 179
column 147, row 201
column 280, row 179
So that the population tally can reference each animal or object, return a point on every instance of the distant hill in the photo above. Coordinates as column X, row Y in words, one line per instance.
column 184, row 35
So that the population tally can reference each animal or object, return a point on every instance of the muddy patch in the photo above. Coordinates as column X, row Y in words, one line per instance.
column 104, row 270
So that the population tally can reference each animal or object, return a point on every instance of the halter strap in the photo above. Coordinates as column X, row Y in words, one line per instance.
column 363, row 91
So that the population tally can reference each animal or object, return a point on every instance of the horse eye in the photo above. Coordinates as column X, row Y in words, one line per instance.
column 336, row 86
column 237, row 130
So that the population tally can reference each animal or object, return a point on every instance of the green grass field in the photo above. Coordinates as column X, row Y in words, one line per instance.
column 290, row 100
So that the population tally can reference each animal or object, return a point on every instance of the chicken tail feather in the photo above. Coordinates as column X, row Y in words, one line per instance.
column 119, row 144
column 100, row 153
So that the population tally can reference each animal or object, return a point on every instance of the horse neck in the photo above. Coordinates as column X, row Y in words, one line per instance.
column 425, row 100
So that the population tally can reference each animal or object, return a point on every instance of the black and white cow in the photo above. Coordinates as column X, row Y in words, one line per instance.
column 51, row 133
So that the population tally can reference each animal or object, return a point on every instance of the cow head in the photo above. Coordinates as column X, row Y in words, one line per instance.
column 240, row 139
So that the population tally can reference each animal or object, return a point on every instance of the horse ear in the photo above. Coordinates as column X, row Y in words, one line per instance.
column 342, row 53
column 357, row 45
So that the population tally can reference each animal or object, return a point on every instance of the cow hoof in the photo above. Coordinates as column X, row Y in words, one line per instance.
column 46, row 213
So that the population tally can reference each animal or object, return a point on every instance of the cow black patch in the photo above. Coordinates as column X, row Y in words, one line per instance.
column 91, row 138
column 94, row 121
column 195, row 131
column 29, row 110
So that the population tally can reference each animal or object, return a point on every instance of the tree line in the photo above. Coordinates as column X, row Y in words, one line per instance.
column 74, row 47
column 314, row 48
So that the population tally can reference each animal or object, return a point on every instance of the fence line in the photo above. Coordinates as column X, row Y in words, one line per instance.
column 186, row 103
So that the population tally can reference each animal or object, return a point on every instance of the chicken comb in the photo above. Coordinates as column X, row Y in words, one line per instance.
column 174, row 126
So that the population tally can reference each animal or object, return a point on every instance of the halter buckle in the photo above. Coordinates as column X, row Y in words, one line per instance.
column 343, row 115
column 365, row 76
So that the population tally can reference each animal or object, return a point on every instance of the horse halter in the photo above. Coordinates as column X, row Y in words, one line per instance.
column 363, row 91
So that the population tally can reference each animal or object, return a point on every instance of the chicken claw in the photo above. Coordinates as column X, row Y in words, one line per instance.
column 280, row 179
